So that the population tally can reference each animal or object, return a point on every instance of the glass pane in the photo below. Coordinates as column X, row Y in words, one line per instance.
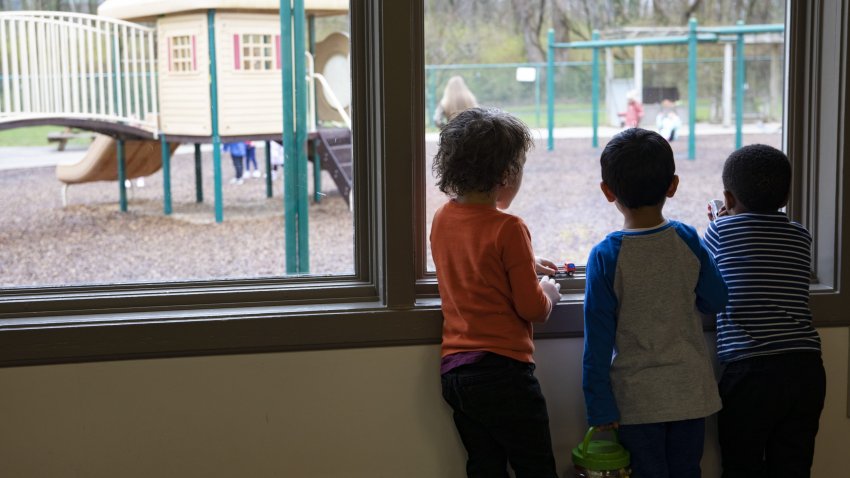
column 498, row 49
column 243, row 234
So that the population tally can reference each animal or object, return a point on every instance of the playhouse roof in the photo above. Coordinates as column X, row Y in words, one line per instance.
column 145, row 9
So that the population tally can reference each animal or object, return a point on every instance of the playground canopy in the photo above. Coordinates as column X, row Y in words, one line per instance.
column 140, row 10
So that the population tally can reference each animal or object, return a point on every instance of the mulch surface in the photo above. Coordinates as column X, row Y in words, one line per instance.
column 90, row 241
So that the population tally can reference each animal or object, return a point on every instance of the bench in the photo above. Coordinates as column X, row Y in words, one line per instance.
column 62, row 137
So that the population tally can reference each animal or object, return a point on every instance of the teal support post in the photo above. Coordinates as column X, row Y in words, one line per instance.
column 122, row 175
column 216, row 139
column 595, row 91
column 739, row 89
column 301, row 136
column 166, row 175
column 268, row 169
column 317, row 172
column 290, row 207
column 199, row 183
column 537, row 95
column 692, row 88
column 550, row 90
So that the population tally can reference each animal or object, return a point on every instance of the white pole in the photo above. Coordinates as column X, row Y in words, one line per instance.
column 13, row 40
column 143, row 80
column 154, row 76
column 99, row 37
column 25, row 68
column 35, row 101
column 44, row 51
column 125, row 67
column 56, row 67
column 134, row 61
column 75, row 70
column 67, row 104
column 7, row 105
column 727, row 84
column 82, row 46
column 91, row 38
column 639, row 72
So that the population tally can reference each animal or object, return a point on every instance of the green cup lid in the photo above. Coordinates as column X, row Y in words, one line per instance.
column 599, row 455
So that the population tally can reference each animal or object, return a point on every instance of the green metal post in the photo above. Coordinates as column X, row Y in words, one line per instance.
column 550, row 90
column 537, row 95
column 122, row 175
column 166, row 175
column 290, row 207
column 739, row 89
column 268, row 169
column 199, row 183
column 692, row 88
column 595, row 91
column 216, row 139
column 301, row 136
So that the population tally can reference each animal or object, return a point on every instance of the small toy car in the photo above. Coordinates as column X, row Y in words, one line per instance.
column 567, row 270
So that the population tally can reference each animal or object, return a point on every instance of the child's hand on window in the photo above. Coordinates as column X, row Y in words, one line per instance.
column 608, row 426
column 545, row 266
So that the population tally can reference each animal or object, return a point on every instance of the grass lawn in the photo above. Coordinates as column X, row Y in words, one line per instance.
column 32, row 136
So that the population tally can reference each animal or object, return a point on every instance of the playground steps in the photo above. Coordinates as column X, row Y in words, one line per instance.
column 333, row 146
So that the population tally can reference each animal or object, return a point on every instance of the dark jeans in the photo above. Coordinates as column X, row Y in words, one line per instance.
column 771, row 409
column 237, row 164
column 250, row 158
column 501, row 416
column 666, row 449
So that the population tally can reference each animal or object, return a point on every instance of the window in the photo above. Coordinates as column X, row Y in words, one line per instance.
column 382, row 304
column 257, row 53
column 182, row 55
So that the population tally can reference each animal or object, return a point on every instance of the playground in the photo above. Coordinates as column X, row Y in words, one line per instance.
column 90, row 241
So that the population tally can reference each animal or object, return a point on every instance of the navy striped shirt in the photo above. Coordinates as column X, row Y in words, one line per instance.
column 765, row 260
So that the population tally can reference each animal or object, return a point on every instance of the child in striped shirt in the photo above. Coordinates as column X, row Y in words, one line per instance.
column 773, row 385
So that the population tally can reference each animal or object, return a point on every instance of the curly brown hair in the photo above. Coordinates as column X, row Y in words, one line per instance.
column 479, row 149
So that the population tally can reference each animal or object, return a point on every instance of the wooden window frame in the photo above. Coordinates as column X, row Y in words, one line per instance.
column 389, row 300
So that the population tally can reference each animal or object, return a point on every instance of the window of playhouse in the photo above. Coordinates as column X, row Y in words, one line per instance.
column 183, row 54
column 494, row 54
column 198, row 216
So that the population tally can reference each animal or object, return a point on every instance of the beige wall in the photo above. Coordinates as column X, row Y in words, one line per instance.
column 244, row 96
column 343, row 413
column 184, row 97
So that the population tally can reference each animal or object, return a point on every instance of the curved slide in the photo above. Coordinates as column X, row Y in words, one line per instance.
column 100, row 163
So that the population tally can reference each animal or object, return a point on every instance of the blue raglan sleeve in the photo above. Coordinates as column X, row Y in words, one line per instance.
column 600, row 327
column 711, row 291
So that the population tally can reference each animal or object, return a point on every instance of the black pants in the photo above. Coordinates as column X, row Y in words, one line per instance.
column 237, row 165
column 771, row 408
column 501, row 416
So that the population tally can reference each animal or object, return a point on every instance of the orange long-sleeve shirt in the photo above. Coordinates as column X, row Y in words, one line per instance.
column 487, row 281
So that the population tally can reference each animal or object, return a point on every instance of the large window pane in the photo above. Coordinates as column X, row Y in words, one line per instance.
column 61, row 222
column 499, row 49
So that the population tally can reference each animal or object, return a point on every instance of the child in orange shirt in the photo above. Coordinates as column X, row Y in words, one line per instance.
column 487, row 276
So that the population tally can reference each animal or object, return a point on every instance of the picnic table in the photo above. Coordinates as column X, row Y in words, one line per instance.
column 62, row 137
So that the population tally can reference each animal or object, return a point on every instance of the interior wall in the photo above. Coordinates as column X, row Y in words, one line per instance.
column 340, row 413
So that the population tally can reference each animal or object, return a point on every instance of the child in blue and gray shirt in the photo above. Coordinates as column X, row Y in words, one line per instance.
column 773, row 384
column 647, row 369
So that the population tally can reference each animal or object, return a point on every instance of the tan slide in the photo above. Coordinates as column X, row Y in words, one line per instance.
column 142, row 158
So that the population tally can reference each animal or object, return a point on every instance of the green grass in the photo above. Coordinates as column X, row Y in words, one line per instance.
column 33, row 136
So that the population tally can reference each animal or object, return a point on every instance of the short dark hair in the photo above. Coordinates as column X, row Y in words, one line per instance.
column 479, row 148
column 638, row 166
column 759, row 176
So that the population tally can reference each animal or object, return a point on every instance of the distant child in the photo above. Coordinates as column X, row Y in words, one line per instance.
column 774, row 383
column 667, row 121
column 634, row 111
column 486, row 272
column 237, row 152
column 647, row 369
column 456, row 98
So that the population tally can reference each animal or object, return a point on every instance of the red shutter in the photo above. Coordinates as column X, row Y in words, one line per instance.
column 168, row 47
column 277, row 50
column 237, row 53
column 194, row 55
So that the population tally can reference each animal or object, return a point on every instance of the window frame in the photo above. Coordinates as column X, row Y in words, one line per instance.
column 190, row 63
column 389, row 301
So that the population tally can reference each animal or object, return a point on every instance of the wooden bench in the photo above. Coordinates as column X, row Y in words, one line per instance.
column 62, row 137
